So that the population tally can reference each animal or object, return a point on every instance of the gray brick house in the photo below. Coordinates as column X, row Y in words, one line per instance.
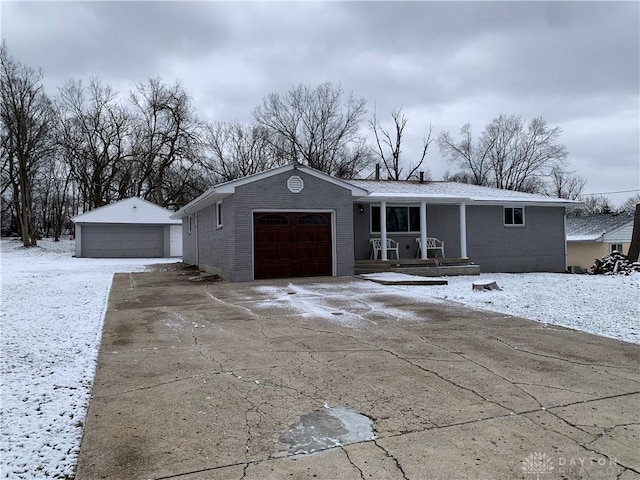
column 294, row 221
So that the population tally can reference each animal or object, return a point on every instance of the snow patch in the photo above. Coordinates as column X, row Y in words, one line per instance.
column 53, row 307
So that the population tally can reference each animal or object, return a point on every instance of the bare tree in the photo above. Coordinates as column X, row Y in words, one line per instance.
column 458, row 177
column 564, row 184
column 316, row 127
column 508, row 154
column 167, row 140
column 53, row 197
column 629, row 206
column 27, row 116
column 593, row 205
column 93, row 134
column 389, row 145
column 235, row 150
column 471, row 157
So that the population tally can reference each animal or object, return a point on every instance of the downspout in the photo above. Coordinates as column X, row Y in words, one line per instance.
column 195, row 221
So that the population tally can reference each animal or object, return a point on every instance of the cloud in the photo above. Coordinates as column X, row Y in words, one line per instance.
column 577, row 64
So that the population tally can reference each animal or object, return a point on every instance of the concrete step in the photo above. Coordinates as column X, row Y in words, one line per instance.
column 423, row 270
column 417, row 266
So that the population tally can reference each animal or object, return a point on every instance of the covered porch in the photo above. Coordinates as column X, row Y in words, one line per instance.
column 411, row 229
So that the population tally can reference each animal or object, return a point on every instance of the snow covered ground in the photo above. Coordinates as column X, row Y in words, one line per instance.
column 53, row 307
column 50, row 327
column 606, row 305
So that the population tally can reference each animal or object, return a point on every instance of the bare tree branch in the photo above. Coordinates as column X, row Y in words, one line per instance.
column 508, row 154
column 315, row 127
column 388, row 146
column 27, row 117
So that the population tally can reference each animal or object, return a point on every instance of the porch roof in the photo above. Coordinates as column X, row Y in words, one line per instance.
column 450, row 192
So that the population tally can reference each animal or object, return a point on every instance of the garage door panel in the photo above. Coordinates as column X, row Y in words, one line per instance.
column 122, row 241
column 292, row 245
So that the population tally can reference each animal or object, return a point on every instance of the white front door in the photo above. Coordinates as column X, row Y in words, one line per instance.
column 175, row 241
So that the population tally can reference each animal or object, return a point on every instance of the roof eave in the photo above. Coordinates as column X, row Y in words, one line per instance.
column 222, row 190
column 523, row 202
column 404, row 198
column 451, row 199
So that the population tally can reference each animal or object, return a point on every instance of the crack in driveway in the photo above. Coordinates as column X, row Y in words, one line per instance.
column 436, row 373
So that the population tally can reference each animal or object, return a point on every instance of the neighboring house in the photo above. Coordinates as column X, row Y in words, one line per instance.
column 295, row 221
column 130, row 228
column 594, row 236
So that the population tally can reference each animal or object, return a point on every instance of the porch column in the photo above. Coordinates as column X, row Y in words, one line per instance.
column 383, row 231
column 463, row 231
column 423, row 230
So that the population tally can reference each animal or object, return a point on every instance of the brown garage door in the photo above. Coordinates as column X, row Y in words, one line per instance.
column 292, row 244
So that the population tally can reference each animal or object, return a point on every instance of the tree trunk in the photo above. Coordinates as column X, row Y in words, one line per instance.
column 634, row 248
column 26, row 215
column 485, row 286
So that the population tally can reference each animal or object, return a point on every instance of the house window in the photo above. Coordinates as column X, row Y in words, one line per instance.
column 189, row 223
column 513, row 216
column 399, row 219
column 616, row 247
column 219, row 214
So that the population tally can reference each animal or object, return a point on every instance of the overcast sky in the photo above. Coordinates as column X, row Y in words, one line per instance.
column 576, row 64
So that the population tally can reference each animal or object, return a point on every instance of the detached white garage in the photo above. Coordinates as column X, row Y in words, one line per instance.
column 130, row 228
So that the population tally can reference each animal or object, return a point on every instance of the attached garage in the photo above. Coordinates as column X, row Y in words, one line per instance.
column 131, row 228
column 292, row 244
column 290, row 221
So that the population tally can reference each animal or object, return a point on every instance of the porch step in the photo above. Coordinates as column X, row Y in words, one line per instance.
column 426, row 268
column 393, row 278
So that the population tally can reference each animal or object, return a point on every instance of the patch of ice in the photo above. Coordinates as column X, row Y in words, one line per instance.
column 327, row 428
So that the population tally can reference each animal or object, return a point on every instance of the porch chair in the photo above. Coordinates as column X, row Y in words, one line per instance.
column 432, row 244
column 376, row 244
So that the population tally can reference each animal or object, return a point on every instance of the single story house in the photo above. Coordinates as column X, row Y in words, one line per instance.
column 130, row 228
column 594, row 236
column 296, row 221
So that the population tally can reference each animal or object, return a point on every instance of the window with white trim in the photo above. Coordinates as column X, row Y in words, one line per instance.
column 189, row 224
column 513, row 216
column 400, row 219
column 219, row 214
column 616, row 247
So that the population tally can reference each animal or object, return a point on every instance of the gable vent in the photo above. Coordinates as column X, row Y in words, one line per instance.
column 295, row 184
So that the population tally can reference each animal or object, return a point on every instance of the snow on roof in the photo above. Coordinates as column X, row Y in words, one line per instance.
column 584, row 238
column 376, row 190
column 585, row 228
column 221, row 190
column 130, row 210
column 451, row 191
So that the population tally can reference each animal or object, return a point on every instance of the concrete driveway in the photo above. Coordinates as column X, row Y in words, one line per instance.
column 223, row 381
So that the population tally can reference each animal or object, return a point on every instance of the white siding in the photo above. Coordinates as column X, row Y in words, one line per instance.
column 619, row 235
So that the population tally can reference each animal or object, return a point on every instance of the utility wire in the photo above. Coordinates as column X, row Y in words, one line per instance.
column 609, row 193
